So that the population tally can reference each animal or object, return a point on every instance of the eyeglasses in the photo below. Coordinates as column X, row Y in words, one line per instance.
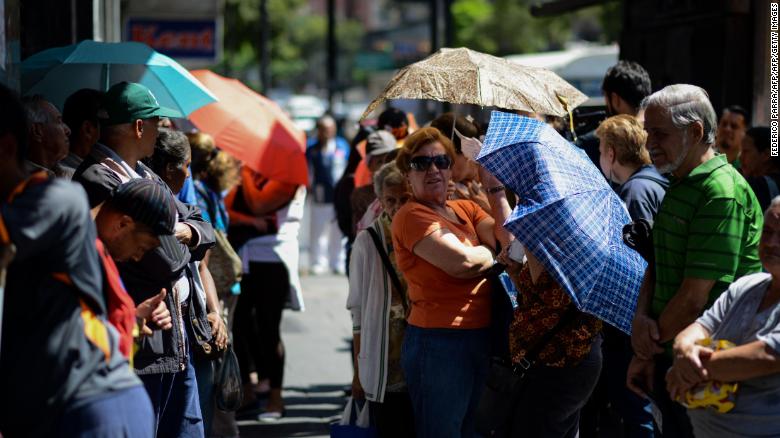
column 423, row 163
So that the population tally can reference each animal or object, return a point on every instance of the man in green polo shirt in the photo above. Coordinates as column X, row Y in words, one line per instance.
column 705, row 236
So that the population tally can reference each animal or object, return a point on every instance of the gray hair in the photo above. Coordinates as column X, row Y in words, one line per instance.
column 686, row 104
column 35, row 107
column 388, row 174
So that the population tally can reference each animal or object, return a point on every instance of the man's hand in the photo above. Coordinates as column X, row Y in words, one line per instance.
column 639, row 377
column 218, row 330
column 183, row 233
column 644, row 337
column 155, row 310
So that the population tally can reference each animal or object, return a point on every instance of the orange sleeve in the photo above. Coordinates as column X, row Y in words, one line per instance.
column 412, row 224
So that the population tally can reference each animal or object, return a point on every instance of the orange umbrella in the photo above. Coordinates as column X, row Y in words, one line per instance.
column 253, row 129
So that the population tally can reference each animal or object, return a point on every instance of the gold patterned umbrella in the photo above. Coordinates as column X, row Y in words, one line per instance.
column 463, row 76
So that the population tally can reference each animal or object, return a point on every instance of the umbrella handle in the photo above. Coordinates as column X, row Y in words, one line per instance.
column 106, row 77
column 565, row 103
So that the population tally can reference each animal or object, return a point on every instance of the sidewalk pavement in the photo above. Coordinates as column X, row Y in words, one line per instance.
column 318, row 366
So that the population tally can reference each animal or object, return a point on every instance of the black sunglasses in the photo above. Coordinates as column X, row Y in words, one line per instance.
column 423, row 163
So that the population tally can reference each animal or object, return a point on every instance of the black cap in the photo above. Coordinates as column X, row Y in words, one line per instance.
column 147, row 202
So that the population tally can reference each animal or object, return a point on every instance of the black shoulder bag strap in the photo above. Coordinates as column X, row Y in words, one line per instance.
column 388, row 265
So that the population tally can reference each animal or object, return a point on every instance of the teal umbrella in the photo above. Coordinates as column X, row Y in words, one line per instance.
column 59, row 72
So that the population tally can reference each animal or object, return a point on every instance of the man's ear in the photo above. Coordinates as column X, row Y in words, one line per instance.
column 138, row 126
column 35, row 132
column 125, row 223
column 90, row 130
column 695, row 133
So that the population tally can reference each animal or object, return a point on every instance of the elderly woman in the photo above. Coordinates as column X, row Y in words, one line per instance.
column 444, row 249
column 748, row 315
column 378, row 303
column 195, row 287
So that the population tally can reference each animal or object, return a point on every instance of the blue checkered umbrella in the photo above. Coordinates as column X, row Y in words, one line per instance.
column 566, row 215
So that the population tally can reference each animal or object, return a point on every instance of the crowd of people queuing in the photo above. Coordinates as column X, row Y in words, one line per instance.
column 129, row 284
column 700, row 194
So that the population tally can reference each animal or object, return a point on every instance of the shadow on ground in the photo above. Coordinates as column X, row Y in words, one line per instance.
column 309, row 413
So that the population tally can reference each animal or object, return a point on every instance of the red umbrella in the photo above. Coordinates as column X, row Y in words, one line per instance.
column 253, row 129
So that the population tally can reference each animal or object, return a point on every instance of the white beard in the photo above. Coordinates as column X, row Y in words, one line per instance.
column 671, row 167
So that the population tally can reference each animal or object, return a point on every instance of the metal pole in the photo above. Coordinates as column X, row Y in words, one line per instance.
column 332, row 54
column 449, row 25
column 265, row 79
column 434, row 24
column 449, row 37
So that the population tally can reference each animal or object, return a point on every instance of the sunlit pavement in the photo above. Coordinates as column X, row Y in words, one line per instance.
column 318, row 369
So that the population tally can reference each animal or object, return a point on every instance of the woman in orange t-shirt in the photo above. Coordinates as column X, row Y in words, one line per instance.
column 444, row 250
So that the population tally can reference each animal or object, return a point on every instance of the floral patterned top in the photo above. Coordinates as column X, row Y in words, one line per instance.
column 540, row 307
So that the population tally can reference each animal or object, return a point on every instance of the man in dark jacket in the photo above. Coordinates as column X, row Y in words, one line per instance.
column 128, row 133
column 61, row 371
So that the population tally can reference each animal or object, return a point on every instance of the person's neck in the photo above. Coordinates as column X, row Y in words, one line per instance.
column 81, row 149
column 128, row 152
column 10, row 179
column 772, row 295
column 694, row 160
column 621, row 173
column 732, row 153
column 438, row 205
column 39, row 156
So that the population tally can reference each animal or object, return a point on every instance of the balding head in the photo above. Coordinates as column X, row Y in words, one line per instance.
column 47, row 133
column 326, row 128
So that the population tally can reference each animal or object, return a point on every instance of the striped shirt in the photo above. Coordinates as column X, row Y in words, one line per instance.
column 708, row 227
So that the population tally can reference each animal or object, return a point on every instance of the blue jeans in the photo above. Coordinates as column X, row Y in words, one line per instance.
column 445, row 372
column 204, row 372
column 125, row 413
column 175, row 402
column 550, row 399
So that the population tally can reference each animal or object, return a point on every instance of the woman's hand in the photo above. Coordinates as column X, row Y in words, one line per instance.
column 513, row 268
column 688, row 369
column 357, row 388
column 478, row 195
column 260, row 224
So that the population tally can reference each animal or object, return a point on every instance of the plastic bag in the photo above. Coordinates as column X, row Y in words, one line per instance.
column 355, row 422
column 227, row 384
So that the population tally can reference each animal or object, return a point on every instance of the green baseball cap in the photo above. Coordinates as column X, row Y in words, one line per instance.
column 126, row 102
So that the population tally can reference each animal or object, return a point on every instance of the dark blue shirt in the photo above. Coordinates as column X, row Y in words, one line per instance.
column 643, row 192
